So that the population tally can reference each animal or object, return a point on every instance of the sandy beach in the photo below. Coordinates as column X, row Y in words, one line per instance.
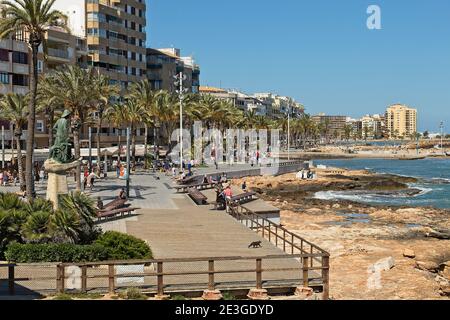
column 359, row 235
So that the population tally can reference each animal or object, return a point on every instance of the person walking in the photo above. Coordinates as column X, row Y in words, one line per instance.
column 42, row 175
column 118, row 169
column 228, row 193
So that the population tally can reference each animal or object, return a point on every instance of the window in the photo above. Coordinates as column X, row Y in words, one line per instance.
column 39, row 126
column 94, row 32
column 4, row 55
column 4, row 78
column 20, row 80
column 133, row 25
column 20, row 57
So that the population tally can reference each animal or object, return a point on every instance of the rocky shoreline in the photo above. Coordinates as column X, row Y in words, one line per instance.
column 358, row 235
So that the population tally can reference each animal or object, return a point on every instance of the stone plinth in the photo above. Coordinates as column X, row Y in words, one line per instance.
column 212, row 295
column 258, row 294
column 57, row 179
column 304, row 292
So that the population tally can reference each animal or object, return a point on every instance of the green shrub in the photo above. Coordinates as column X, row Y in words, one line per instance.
column 123, row 246
column 135, row 294
column 228, row 296
column 178, row 297
column 31, row 253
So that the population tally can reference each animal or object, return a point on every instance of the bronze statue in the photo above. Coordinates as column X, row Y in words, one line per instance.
column 61, row 151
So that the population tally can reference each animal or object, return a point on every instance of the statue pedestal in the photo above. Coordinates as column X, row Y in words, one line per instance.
column 57, row 179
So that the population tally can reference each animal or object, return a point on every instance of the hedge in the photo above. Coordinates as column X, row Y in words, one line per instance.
column 33, row 253
column 122, row 246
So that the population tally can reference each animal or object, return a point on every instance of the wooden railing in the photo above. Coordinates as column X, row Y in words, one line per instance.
column 311, row 255
column 11, row 277
column 210, row 270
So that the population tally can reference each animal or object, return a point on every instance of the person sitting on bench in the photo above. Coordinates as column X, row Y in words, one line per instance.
column 122, row 194
column 100, row 203
column 205, row 179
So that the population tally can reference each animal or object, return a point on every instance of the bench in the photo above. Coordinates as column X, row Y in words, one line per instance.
column 186, row 180
column 198, row 197
column 113, row 213
column 115, row 204
column 243, row 198
column 199, row 186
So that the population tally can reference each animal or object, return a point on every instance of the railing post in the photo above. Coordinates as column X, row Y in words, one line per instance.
column 111, row 278
column 60, row 278
column 211, row 284
column 11, row 287
column 326, row 277
column 292, row 243
column 284, row 240
column 276, row 236
column 258, row 273
column 160, row 280
column 84, row 279
column 269, row 232
column 305, row 272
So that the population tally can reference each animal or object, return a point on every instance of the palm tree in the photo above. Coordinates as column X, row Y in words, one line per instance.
column 348, row 128
column 13, row 107
column 71, row 88
column 133, row 113
column 146, row 97
column 103, row 92
column 33, row 17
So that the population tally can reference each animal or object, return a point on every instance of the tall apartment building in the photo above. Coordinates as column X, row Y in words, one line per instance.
column 15, row 68
column 115, row 33
column 163, row 64
column 336, row 124
column 401, row 121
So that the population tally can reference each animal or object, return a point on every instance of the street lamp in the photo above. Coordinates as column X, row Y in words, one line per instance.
column 179, row 79
column 289, row 133
column 442, row 135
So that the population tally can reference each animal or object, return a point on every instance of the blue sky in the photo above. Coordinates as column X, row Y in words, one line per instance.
column 319, row 52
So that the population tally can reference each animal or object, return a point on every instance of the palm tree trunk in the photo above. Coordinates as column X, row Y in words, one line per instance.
column 145, row 146
column 31, row 120
column 20, row 163
column 99, row 127
column 133, row 146
column 76, row 144
column 51, row 116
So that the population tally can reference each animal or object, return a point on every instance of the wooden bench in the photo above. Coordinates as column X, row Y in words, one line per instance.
column 186, row 180
column 243, row 198
column 113, row 213
column 199, row 186
column 198, row 197
column 115, row 204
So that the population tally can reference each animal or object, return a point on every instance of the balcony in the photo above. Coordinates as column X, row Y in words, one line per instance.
column 58, row 53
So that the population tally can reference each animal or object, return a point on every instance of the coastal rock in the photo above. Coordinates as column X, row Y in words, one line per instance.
column 408, row 253
column 383, row 264
column 336, row 206
column 427, row 266
column 314, row 211
column 445, row 290
column 445, row 272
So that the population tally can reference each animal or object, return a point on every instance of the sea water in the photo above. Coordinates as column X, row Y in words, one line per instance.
column 433, row 175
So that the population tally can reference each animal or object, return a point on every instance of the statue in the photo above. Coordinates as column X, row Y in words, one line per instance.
column 61, row 151
column 60, row 161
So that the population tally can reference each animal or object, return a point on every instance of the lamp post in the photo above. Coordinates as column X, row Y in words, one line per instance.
column 442, row 135
column 3, row 147
column 128, row 163
column 289, row 134
column 179, row 78
column 90, row 149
